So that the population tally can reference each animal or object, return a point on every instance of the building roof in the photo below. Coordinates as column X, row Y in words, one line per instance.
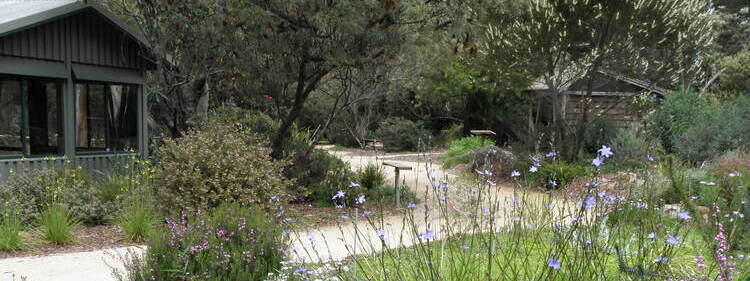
column 18, row 15
column 540, row 86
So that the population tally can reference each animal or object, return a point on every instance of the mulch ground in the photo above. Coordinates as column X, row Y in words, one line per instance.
column 88, row 238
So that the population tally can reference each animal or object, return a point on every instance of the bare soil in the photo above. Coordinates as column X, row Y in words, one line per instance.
column 88, row 238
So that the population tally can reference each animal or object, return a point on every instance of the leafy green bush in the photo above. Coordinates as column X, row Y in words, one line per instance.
column 10, row 228
column 600, row 132
column 370, row 176
column 57, row 225
column 461, row 151
column 558, row 174
column 632, row 148
column 387, row 194
column 338, row 177
column 72, row 188
column 678, row 112
column 450, row 134
column 231, row 242
column 314, row 171
column 398, row 134
column 734, row 80
column 722, row 127
column 137, row 222
column 213, row 165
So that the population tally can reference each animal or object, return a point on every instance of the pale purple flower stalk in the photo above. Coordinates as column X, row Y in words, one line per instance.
column 725, row 265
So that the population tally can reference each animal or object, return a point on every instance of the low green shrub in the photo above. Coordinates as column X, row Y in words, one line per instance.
column 337, row 178
column 558, row 174
column 72, row 188
column 387, row 195
column 308, row 168
column 137, row 222
column 721, row 127
column 599, row 133
column 461, row 151
column 216, row 164
column 10, row 236
column 633, row 149
column 398, row 134
column 231, row 242
column 450, row 134
column 57, row 225
column 370, row 176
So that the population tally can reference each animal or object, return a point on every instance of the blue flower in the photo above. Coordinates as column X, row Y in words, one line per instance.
column 651, row 235
column 597, row 162
column 354, row 185
column 683, row 215
column 553, row 263
column 660, row 259
column 533, row 169
column 672, row 240
column 360, row 199
column 339, row 194
column 551, row 154
column 428, row 235
column 589, row 202
column 367, row 213
column 553, row 183
column 411, row 206
column 380, row 233
column 515, row 174
column 464, row 247
column 605, row 151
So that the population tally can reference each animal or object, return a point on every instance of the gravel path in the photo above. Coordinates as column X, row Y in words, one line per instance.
column 322, row 244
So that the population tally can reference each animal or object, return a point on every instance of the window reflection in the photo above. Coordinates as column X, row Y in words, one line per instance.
column 106, row 117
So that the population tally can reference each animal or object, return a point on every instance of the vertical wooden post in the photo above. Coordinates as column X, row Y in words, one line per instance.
column 25, row 138
column 68, row 100
column 398, row 190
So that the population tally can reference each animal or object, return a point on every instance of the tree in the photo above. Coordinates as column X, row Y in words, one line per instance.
column 563, row 41
column 189, row 40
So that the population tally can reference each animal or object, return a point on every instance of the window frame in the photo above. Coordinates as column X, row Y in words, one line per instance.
column 107, row 98
column 25, row 133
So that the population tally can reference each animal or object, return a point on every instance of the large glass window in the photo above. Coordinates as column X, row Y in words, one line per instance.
column 29, row 117
column 106, row 117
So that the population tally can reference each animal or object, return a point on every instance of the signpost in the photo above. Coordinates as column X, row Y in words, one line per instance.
column 397, row 169
column 483, row 134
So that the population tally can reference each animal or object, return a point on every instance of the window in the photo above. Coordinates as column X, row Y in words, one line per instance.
column 29, row 117
column 106, row 117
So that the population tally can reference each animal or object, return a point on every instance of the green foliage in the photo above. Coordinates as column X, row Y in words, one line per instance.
column 30, row 194
column 452, row 133
column 10, row 228
column 137, row 222
column 57, row 225
column 387, row 195
column 231, row 242
column 216, row 164
column 734, row 79
column 560, row 173
column 398, row 134
column 679, row 111
column 370, row 176
column 721, row 128
column 633, row 149
column 461, row 151
column 600, row 132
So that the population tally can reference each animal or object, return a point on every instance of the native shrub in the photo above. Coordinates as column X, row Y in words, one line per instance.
column 72, row 188
column 10, row 228
column 633, row 150
column 215, row 164
column 370, row 176
column 678, row 112
column 558, row 174
column 230, row 242
column 398, row 134
column 57, row 225
column 461, row 151
column 721, row 128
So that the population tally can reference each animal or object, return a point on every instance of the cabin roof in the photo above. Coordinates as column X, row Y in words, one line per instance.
column 18, row 15
column 538, row 85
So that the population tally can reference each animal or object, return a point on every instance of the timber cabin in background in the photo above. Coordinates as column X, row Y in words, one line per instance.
column 612, row 97
column 71, row 86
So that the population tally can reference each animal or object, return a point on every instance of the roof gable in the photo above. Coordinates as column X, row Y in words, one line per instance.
column 18, row 15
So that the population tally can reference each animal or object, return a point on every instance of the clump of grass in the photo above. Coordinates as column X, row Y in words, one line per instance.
column 460, row 151
column 57, row 225
column 370, row 176
column 10, row 237
column 137, row 222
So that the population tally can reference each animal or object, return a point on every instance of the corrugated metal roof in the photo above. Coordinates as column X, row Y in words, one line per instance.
column 17, row 15
column 12, row 10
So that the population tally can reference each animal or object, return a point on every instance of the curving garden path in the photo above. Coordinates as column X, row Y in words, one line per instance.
column 321, row 244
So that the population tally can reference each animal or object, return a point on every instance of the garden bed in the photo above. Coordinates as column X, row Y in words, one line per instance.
column 88, row 238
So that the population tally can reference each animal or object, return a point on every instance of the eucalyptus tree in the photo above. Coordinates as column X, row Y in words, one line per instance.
column 559, row 42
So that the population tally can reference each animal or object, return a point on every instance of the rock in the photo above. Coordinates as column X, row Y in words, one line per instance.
column 490, row 158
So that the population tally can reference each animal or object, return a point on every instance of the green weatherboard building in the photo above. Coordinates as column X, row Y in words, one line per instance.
column 71, row 86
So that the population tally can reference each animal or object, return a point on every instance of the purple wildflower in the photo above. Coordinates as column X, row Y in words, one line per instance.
column 339, row 194
column 380, row 233
column 605, row 151
column 660, row 259
column 597, row 162
column 515, row 174
column 683, row 215
column 651, row 235
column 428, row 235
column 673, row 240
column 411, row 206
column 554, row 263
column 360, row 199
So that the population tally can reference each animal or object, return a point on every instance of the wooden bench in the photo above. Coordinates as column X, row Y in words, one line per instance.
column 397, row 169
column 482, row 134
